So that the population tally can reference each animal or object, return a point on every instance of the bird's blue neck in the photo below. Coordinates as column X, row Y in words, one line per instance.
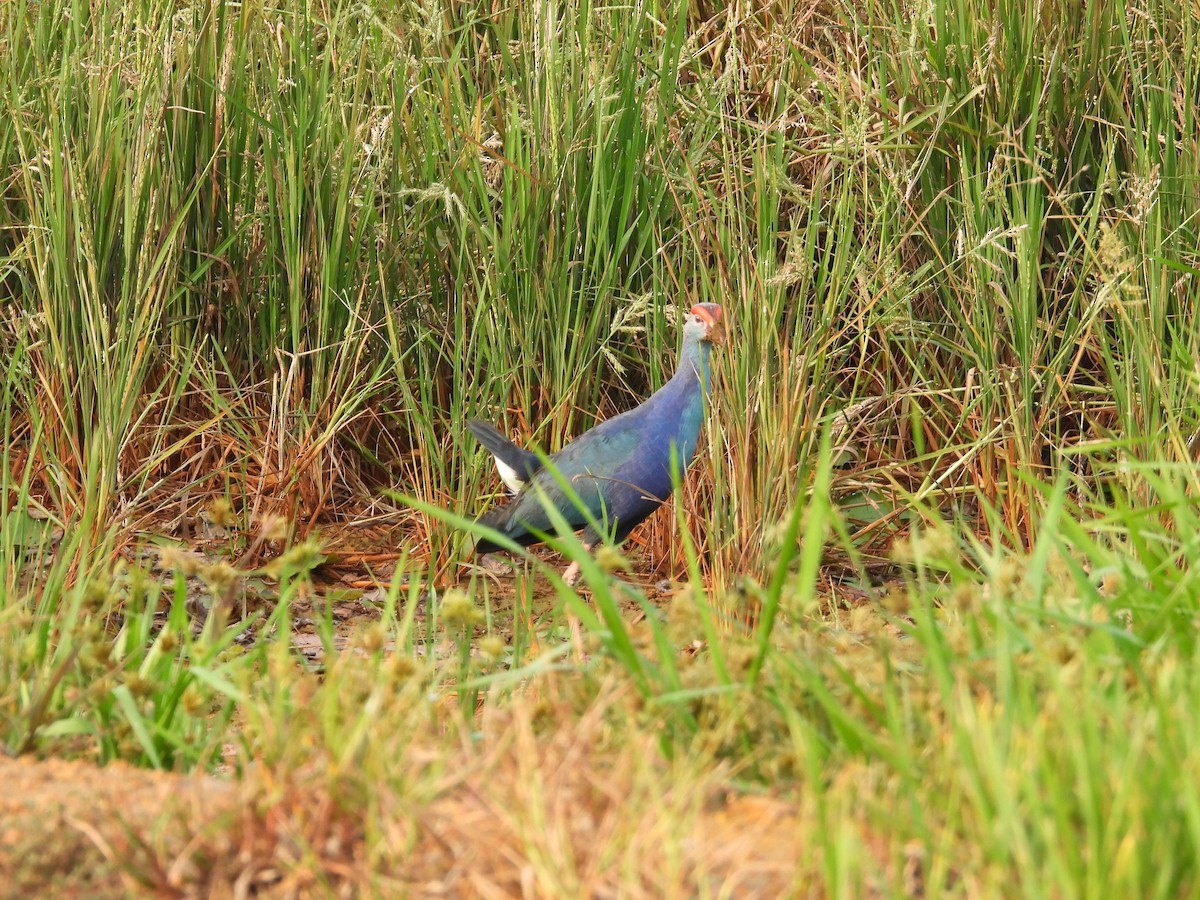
column 694, row 362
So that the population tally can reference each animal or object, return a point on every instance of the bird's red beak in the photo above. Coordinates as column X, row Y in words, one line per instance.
column 710, row 314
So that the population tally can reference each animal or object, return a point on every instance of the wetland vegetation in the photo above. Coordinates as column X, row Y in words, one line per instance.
column 921, row 620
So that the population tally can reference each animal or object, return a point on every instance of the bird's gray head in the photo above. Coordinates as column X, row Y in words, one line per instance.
column 704, row 323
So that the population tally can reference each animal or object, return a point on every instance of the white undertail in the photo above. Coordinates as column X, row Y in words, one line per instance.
column 509, row 475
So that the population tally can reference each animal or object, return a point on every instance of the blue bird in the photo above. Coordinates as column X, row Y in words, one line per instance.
column 621, row 469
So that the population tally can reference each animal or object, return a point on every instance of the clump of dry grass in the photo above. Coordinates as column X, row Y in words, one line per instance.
column 570, row 807
column 543, row 802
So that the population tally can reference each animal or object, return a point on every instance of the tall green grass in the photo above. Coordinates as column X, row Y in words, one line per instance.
column 967, row 234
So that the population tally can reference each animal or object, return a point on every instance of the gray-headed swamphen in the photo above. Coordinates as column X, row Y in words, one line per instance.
column 621, row 469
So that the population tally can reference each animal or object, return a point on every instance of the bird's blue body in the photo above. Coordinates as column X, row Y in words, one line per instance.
column 621, row 469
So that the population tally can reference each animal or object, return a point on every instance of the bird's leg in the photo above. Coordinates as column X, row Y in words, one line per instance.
column 571, row 577
column 572, row 572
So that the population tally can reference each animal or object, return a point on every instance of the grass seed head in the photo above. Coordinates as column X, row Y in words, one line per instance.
column 374, row 637
column 96, row 654
column 609, row 559
column 1112, row 252
column 403, row 667
column 492, row 647
column 896, row 600
column 174, row 559
column 195, row 703
column 219, row 577
column 231, row 653
column 31, row 650
column 220, row 513
column 138, row 686
column 167, row 641
column 97, row 594
column 301, row 558
column 459, row 611
column 100, row 689
column 273, row 527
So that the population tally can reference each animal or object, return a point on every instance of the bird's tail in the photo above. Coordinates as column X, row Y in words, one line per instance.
column 521, row 464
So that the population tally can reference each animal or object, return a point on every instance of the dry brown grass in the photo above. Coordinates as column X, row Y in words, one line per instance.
column 572, row 812
column 544, row 802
